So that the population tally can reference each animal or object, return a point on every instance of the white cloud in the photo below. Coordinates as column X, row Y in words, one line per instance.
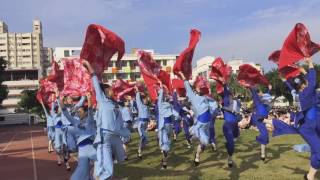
column 256, row 42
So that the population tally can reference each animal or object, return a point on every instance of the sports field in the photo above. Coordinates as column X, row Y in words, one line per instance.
column 23, row 155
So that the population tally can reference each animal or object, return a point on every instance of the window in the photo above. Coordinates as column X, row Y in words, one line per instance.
column 124, row 63
column 164, row 63
column 125, row 76
column 66, row 53
column 110, row 64
column 75, row 52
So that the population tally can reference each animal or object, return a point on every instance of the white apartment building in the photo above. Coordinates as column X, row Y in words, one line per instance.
column 235, row 63
column 129, row 63
column 203, row 66
column 27, row 61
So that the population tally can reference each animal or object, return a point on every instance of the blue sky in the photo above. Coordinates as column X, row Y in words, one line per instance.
column 251, row 29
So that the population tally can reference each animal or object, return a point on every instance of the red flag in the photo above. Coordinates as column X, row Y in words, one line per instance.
column 151, row 84
column 289, row 71
column 152, row 73
column 56, row 75
column 178, row 84
column 219, row 87
column 121, row 89
column 220, row 71
column 297, row 46
column 77, row 79
column 164, row 77
column 274, row 57
column 46, row 91
column 99, row 46
column 148, row 64
column 249, row 76
column 184, row 61
column 203, row 84
column 39, row 95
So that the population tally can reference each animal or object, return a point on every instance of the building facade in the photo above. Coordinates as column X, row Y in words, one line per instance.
column 27, row 61
column 129, row 69
column 203, row 66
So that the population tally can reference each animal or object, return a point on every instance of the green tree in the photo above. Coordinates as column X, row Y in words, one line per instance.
column 29, row 104
column 278, row 86
column 3, row 89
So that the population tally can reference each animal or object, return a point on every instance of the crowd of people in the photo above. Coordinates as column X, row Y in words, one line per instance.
column 97, row 126
column 100, row 134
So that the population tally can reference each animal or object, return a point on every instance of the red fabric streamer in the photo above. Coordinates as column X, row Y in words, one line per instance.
column 56, row 75
column 274, row 57
column 220, row 71
column 164, row 77
column 203, row 84
column 178, row 85
column 99, row 46
column 288, row 71
column 152, row 85
column 46, row 91
column 152, row 73
column 219, row 87
column 184, row 61
column 77, row 80
column 249, row 76
column 148, row 64
column 121, row 89
column 297, row 46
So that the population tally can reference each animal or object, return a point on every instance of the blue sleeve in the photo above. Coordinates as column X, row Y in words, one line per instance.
column 255, row 96
column 138, row 100
column 189, row 90
column 45, row 111
column 312, row 78
column 91, row 121
column 96, row 86
column 81, row 102
column 160, row 97
column 289, row 85
column 53, row 106
column 226, row 94
column 176, row 105
column 66, row 113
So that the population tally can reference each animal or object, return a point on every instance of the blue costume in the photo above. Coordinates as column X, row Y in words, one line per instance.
column 50, row 125
column 261, row 111
column 59, row 134
column 180, row 113
column 231, row 109
column 214, row 112
column 164, row 122
column 200, row 105
column 308, row 126
column 143, row 116
column 127, row 118
column 84, row 131
column 306, row 122
column 69, row 139
column 109, row 129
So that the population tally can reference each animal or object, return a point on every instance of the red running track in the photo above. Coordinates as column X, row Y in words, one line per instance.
column 24, row 155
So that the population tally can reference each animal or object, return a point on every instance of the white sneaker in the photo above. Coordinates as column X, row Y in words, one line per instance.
column 213, row 146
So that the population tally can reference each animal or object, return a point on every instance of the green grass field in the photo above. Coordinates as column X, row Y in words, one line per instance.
column 282, row 162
